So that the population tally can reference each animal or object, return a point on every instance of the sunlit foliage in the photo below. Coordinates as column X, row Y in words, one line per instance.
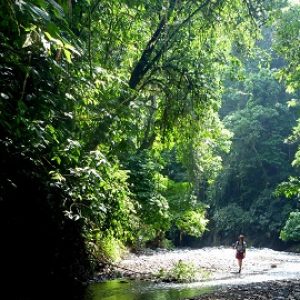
column 94, row 96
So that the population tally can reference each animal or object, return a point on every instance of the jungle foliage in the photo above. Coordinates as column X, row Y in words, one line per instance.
column 255, row 109
column 287, row 34
column 110, row 135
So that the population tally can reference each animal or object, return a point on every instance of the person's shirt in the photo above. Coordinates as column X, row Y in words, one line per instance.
column 240, row 246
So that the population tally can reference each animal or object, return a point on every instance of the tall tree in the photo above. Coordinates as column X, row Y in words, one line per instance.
column 287, row 35
column 243, row 200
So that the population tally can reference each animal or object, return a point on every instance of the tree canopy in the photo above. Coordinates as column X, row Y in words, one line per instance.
column 117, row 119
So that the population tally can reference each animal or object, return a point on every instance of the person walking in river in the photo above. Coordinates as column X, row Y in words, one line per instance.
column 240, row 246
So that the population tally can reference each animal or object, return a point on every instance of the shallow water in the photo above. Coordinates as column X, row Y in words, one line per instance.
column 141, row 290
column 259, row 265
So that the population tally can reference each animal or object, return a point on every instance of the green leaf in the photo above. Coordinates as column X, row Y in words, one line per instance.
column 67, row 54
column 57, row 159
column 28, row 41
column 37, row 12
column 58, row 10
column 56, row 176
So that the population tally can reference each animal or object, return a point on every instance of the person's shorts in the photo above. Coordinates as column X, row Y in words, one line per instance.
column 239, row 255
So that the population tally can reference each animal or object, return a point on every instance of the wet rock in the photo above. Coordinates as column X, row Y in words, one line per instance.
column 275, row 290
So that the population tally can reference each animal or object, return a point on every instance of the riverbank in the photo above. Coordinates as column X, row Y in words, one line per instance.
column 275, row 290
column 217, row 265
column 266, row 274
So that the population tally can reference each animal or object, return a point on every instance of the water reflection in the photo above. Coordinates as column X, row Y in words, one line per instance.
column 140, row 290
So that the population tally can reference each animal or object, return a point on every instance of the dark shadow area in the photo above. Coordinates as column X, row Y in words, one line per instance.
column 43, row 253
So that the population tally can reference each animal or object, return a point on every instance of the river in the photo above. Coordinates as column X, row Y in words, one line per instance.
column 220, row 268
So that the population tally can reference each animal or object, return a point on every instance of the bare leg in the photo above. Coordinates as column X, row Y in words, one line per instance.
column 240, row 265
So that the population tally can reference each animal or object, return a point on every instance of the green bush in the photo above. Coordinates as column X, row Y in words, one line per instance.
column 183, row 272
column 167, row 244
column 111, row 248
column 291, row 229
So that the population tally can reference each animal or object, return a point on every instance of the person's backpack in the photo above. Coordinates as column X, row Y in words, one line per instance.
column 240, row 247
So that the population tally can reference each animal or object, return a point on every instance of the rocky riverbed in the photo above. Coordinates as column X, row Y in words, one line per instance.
column 217, row 265
column 275, row 290
column 266, row 274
